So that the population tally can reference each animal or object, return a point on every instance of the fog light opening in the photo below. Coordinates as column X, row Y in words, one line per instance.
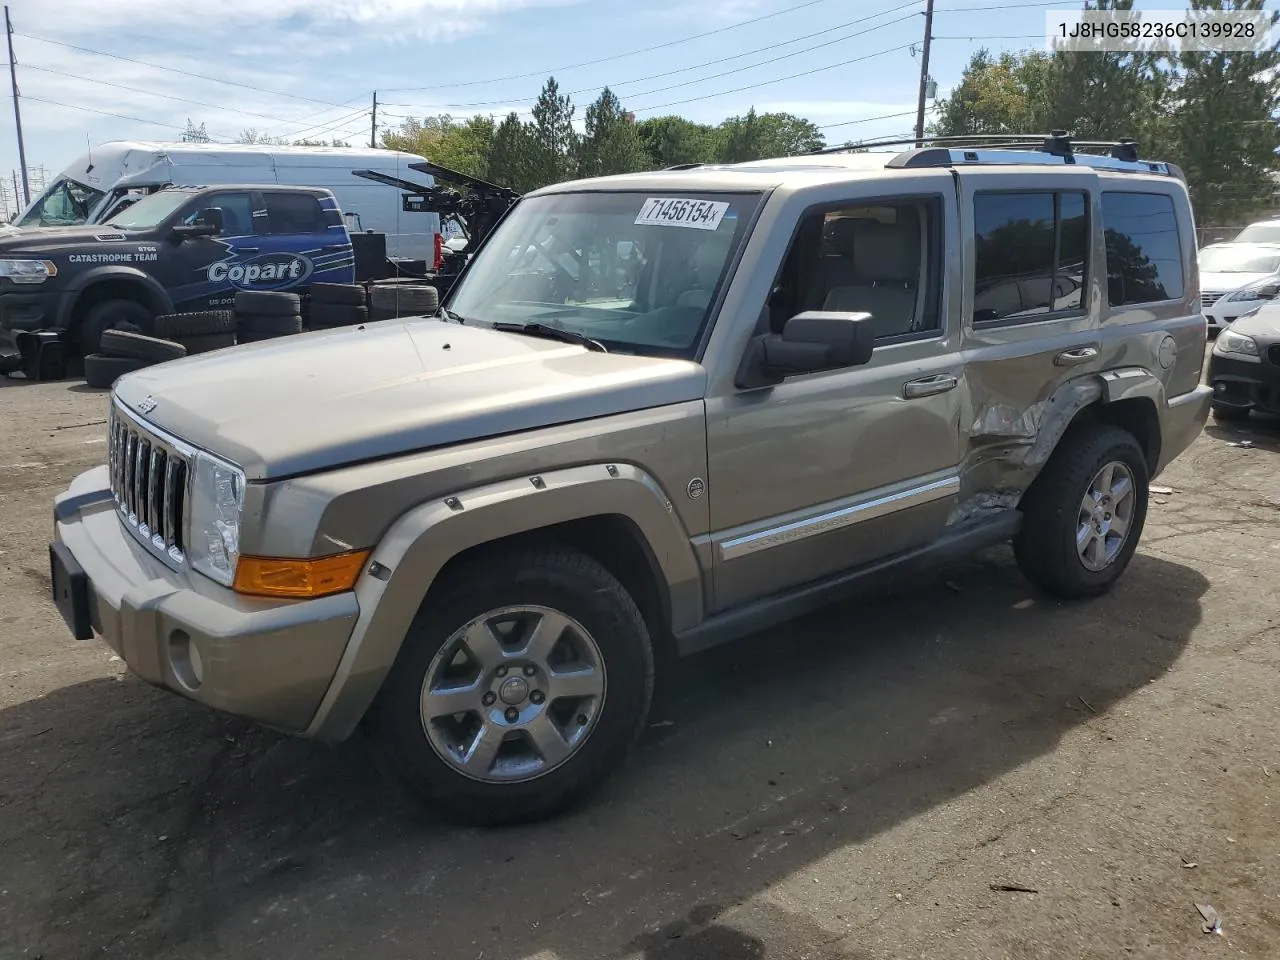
column 185, row 661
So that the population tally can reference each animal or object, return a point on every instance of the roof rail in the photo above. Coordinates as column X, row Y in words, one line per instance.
column 1055, row 148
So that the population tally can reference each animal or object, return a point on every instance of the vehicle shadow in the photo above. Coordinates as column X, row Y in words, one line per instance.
column 135, row 824
column 1260, row 430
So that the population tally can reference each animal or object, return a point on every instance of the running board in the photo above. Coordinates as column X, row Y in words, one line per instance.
column 779, row 608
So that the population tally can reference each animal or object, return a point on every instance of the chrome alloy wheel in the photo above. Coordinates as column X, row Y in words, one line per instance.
column 1106, row 513
column 513, row 694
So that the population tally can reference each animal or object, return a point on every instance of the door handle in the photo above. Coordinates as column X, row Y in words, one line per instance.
column 1069, row 358
column 928, row 386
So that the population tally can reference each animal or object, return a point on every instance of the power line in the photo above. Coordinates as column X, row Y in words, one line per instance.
column 765, row 83
column 714, row 76
column 152, row 93
column 185, row 73
column 616, row 56
column 883, row 116
column 105, row 113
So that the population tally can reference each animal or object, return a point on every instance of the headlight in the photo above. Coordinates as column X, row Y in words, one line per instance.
column 1230, row 342
column 217, row 496
column 28, row 271
column 1265, row 290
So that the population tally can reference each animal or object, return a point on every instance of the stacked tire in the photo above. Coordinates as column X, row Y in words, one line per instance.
column 265, row 316
column 199, row 332
column 388, row 301
column 123, row 351
column 337, row 305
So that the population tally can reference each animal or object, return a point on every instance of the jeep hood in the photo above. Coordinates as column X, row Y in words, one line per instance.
column 328, row 398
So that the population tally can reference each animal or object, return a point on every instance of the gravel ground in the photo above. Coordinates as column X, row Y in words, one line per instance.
column 852, row 785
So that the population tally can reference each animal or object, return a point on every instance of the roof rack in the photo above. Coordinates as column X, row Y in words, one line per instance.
column 1055, row 148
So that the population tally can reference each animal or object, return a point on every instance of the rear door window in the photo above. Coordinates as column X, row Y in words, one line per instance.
column 294, row 213
column 1144, row 250
column 1031, row 255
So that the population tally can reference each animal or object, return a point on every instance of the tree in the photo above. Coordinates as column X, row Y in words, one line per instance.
column 555, row 142
column 194, row 134
column 756, row 137
column 611, row 144
column 1106, row 95
column 1005, row 95
column 671, row 140
column 462, row 145
column 1224, row 129
column 511, row 155
column 251, row 135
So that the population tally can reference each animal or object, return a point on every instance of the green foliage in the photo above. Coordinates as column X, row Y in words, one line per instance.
column 757, row 137
column 610, row 144
column 671, row 140
column 1217, row 115
column 462, row 145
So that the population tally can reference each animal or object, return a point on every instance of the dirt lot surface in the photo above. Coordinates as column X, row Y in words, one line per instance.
column 852, row 785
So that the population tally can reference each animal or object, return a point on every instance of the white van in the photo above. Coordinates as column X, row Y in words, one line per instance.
column 111, row 176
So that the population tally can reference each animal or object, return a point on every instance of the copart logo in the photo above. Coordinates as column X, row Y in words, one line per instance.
column 268, row 271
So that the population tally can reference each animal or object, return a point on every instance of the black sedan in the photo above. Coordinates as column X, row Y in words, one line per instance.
column 1244, row 368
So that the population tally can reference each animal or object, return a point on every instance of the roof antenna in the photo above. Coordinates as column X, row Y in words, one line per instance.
column 89, row 143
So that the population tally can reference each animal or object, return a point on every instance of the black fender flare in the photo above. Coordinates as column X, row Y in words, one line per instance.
column 156, row 295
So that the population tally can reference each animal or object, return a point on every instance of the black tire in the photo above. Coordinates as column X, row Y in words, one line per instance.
column 381, row 313
column 202, row 323
column 101, row 372
column 120, row 343
column 406, row 300
column 553, row 576
column 327, row 315
column 253, row 327
column 208, row 342
column 1046, row 545
column 1229, row 413
column 107, row 315
column 267, row 303
column 338, row 294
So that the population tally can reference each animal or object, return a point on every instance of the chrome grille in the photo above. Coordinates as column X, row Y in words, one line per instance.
column 150, row 478
column 1209, row 298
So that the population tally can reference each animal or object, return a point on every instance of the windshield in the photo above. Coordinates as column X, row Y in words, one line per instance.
column 1260, row 233
column 150, row 211
column 65, row 204
column 634, row 271
column 1234, row 260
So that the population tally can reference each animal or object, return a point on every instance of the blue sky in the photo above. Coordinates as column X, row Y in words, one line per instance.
column 308, row 67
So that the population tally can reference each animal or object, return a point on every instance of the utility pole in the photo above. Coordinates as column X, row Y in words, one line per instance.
column 924, row 70
column 373, row 124
column 17, row 113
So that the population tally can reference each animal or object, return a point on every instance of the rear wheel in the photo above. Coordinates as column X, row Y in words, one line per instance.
column 107, row 315
column 1084, row 514
column 522, row 685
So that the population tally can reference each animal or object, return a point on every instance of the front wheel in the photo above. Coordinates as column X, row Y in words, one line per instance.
column 111, row 315
column 1084, row 514
column 522, row 685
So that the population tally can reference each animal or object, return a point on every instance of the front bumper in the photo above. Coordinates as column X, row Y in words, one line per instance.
column 269, row 661
column 1225, row 312
column 27, row 308
column 1248, row 384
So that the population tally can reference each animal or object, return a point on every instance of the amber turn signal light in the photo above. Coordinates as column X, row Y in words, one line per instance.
column 299, row 579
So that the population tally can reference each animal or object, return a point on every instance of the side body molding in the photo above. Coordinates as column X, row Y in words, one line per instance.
column 424, row 539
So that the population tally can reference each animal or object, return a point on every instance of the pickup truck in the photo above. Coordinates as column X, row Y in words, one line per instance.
column 182, row 249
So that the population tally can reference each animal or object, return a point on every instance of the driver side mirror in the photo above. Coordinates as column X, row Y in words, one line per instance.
column 209, row 224
column 811, row 342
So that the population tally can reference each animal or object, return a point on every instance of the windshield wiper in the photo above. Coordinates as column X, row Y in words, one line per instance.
column 450, row 315
column 551, row 333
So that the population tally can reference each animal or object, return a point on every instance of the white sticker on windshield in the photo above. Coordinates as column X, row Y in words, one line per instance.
column 674, row 212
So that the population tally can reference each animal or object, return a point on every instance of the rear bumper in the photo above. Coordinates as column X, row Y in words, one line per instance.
column 264, row 660
column 1250, row 385
column 1183, row 418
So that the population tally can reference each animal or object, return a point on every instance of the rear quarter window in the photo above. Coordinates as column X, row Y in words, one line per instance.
column 1144, row 249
